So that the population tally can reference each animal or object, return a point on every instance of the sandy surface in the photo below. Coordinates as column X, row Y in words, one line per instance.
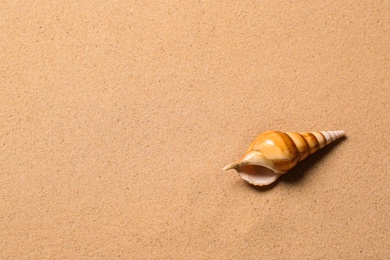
column 117, row 118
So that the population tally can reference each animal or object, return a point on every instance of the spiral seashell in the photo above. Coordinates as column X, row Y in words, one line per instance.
column 273, row 153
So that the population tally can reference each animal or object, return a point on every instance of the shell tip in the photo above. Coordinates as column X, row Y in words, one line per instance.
column 340, row 133
column 229, row 167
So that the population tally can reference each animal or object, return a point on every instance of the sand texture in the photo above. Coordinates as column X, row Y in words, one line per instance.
column 116, row 118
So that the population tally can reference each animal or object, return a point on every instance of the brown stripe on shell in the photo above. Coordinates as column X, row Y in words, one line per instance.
column 286, row 165
column 320, row 138
column 312, row 142
column 300, row 143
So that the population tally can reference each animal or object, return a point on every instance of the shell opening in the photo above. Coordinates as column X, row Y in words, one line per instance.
column 257, row 175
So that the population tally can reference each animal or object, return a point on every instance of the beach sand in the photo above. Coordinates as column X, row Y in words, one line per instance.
column 117, row 118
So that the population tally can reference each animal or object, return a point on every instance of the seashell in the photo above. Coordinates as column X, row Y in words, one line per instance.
column 273, row 153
